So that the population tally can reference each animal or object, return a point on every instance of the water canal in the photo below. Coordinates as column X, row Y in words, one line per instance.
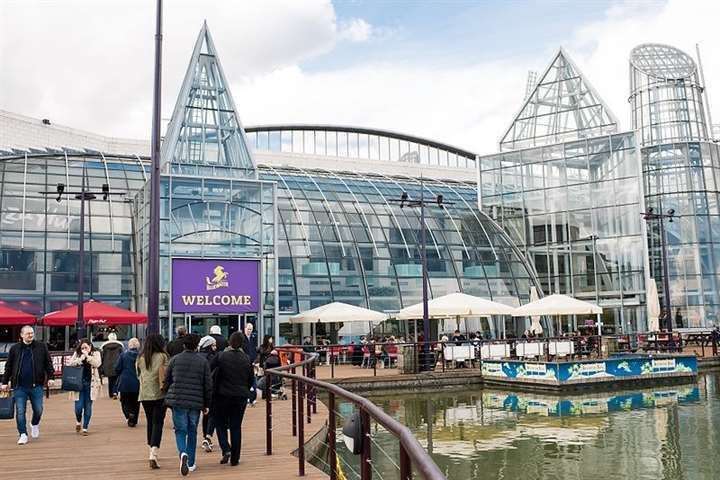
column 669, row 433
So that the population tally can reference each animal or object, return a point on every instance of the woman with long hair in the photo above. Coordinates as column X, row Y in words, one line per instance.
column 87, row 357
column 268, row 345
column 150, row 365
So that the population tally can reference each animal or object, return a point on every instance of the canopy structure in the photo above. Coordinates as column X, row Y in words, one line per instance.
column 11, row 317
column 456, row 305
column 338, row 312
column 94, row 313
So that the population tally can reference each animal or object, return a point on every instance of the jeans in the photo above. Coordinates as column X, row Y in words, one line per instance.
column 35, row 395
column 112, row 386
column 83, row 407
column 130, row 406
column 155, row 415
column 186, row 421
column 229, row 413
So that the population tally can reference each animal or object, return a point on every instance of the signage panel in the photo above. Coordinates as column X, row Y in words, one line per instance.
column 215, row 286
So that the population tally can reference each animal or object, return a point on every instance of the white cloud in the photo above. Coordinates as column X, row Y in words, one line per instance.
column 89, row 65
column 355, row 30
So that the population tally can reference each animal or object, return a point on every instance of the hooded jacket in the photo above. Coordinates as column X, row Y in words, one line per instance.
column 111, row 351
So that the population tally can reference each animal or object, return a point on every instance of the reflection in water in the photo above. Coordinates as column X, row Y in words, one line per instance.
column 669, row 433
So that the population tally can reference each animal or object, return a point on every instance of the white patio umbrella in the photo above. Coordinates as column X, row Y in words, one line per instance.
column 456, row 305
column 559, row 305
column 338, row 312
column 653, row 306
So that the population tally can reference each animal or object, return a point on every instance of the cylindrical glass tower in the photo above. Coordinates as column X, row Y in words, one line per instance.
column 666, row 96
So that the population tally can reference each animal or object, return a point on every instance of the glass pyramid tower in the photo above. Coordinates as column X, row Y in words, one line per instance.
column 205, row 136
column 562, row 107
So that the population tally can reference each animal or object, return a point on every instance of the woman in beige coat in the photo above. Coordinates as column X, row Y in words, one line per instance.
column 88, row 357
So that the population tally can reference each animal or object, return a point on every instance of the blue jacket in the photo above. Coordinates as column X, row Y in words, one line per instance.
column 127, row 375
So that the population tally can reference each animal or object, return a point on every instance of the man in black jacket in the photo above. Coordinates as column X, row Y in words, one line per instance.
column 27, row 369
column 235, row 377
column 175, row 347
column 189, row 391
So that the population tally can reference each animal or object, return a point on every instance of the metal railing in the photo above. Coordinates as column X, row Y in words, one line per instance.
column 406, row 356
column 304, row 403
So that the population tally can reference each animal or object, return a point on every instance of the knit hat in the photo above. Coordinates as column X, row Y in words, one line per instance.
column 206, row 341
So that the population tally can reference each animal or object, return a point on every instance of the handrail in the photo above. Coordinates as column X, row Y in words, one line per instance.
column 418, row 455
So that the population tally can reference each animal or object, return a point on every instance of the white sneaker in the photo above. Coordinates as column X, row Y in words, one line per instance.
column 23, row 439
column 193, row 468
column 34, row 431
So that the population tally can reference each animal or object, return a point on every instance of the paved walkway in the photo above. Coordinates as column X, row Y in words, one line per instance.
column 113, row 450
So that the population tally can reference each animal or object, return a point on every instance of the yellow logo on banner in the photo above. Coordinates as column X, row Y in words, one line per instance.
column 219, row 280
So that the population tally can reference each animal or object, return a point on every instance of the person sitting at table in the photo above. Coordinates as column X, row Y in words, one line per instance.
column 458, row 338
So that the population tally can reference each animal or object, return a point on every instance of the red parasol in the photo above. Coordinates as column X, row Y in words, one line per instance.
column 8, row 316
column 95, row 313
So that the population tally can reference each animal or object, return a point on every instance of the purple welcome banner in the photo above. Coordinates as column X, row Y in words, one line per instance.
column 215, row 286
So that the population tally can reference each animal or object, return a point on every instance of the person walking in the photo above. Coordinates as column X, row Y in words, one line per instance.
column 216, row 333
column 234, row 378
column 111, row 351
column 250, row 347
column 27, row 368
column 175, row 347
column 87, row 357
column 128, row 385
column 150, row 366
column 208, row 349
column 189, row 390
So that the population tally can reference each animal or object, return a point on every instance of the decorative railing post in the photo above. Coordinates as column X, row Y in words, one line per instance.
column 268, row 415
column 365, row 456
column 301, row 430
column 332, row 442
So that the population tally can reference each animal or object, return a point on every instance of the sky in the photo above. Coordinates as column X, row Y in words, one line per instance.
column 450, row 70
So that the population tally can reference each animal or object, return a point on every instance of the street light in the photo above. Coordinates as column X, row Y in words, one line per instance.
column 84, row 194
column 650, row 215
column 406, row 201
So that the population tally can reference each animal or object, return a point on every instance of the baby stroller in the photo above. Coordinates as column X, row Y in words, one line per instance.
column 277, row 392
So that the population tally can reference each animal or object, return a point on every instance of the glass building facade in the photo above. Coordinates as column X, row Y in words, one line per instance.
column 559, row 208
column 574, row 209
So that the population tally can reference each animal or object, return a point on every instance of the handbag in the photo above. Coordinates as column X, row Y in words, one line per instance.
column 72, row 379
column 7, row 406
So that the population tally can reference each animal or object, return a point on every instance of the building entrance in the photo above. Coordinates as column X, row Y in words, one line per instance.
column 229, row 324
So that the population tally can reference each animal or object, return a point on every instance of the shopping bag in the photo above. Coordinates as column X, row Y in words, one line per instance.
column 7, row 406
column 72, row 379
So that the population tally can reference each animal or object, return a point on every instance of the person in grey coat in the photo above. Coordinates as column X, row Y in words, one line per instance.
column 189, row 391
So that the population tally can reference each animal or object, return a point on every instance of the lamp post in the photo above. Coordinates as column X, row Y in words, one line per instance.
column 650, row 215
column 406, row 201
column 84, row 194
column 153, row 274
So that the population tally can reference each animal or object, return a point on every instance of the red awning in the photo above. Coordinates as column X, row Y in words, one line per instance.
column 8, row 316
column 94, row 313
